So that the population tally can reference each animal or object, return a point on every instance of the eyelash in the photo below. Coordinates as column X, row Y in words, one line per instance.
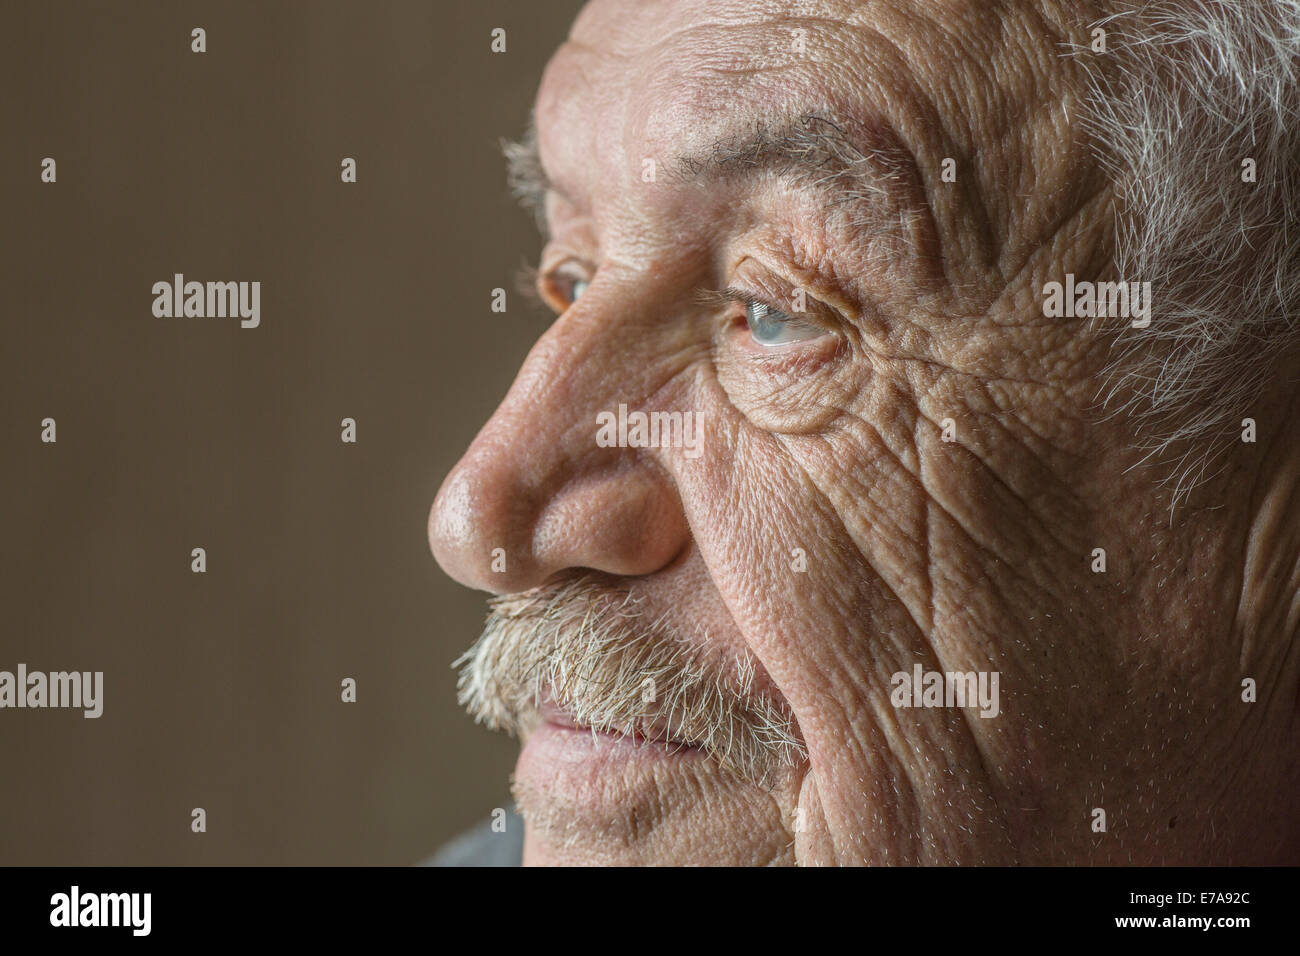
column 732, row 294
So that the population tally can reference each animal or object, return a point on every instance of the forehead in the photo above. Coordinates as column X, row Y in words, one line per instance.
column 640, row 80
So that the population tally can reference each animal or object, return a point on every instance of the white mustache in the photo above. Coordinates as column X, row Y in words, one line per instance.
column 588, row 649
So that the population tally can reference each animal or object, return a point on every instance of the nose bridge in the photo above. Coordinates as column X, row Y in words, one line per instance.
column 536, row 492
column 598, row 355
column 581, row 363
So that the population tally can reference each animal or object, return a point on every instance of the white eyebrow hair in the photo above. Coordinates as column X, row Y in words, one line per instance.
column 812, row 146
column 526, row 176
column 813, row 149
column 859, row 169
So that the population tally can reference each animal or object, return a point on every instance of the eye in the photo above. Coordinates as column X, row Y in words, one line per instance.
column 771, row 327
column 560, row 289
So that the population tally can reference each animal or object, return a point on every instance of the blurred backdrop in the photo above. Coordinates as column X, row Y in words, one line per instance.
column 222, row 689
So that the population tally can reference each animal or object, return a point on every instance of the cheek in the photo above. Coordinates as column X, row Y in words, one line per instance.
column 790, row 521
column 808, row 493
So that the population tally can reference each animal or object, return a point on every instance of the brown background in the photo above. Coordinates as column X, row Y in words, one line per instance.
column 221, row 690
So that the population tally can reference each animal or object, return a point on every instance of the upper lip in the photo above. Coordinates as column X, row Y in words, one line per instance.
column 555, row 714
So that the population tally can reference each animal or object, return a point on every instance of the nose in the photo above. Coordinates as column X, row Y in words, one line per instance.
column 536, row 494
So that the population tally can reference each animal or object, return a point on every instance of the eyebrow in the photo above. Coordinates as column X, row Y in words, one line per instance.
column 813, row 151
column 526, row 176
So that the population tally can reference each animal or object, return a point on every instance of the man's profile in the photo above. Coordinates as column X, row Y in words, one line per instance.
column 909, row 475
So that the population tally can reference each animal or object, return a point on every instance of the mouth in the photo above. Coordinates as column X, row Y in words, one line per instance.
column 639, row 734
column 596, row 771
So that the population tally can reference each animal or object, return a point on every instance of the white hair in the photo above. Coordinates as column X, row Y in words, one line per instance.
column 1185, row 93
column 587, row 647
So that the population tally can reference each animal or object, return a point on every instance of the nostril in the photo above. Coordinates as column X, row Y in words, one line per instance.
column 622, row 522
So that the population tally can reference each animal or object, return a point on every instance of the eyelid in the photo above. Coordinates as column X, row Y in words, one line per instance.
column 810, row 315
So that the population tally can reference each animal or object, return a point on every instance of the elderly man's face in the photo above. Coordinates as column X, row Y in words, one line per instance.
column 823, row 230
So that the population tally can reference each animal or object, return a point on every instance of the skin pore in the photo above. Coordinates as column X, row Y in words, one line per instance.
column 1120, row 690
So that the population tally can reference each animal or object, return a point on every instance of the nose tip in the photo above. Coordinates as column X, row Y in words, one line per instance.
column 459, row 535
column 492, row 530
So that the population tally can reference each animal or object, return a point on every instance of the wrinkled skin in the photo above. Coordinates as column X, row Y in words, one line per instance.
column 1119, row 690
